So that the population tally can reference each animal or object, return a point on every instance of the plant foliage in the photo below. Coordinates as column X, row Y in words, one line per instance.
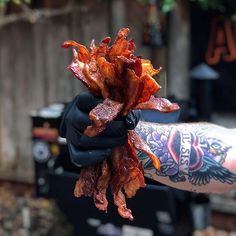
column 4, row 2
column 168, row 5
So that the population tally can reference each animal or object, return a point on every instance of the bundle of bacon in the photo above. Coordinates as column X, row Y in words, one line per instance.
column 125, row 82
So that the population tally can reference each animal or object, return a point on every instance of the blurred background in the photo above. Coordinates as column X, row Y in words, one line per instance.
column 195, row 44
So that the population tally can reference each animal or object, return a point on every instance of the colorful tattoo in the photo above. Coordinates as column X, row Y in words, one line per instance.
column 186, row 154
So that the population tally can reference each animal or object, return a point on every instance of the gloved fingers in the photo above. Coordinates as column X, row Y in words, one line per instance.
column 62, row 128
column 115, row 128
column 73, row 136
column 77, row 119
column 77, row 111
column 132, row 119
column 88, row 157
column 102, row 141
column 82, row 141
column 119, row 126
column 86, row 101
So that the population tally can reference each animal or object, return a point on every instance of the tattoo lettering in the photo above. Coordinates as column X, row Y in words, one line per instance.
column 186, row 154
column 185, row 150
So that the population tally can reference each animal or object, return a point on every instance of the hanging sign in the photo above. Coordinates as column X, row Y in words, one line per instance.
column 221, row 44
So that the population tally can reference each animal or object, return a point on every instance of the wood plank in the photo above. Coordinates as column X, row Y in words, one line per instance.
column 179, row 51
column 7, row 99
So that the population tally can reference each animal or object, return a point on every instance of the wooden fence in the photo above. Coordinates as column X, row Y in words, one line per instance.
column 33, row 68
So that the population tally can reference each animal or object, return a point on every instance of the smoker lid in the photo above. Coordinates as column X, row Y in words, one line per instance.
column 52, row 111
column 203, row 72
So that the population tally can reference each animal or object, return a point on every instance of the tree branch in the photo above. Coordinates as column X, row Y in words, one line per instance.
column 32, row 16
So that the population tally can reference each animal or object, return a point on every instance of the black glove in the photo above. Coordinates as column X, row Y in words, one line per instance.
column 85, row 150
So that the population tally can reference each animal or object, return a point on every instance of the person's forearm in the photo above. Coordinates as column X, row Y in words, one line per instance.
column 197, row 157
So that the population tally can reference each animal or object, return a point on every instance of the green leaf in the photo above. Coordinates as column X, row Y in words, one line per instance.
column 233, row 17
column 18, row 2
column 3, row 2
column 167, row 5
column 211, row 4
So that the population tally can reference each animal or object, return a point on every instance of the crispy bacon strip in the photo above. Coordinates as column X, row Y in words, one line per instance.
column 83, row 54
column 108, row 71
column 127, row 174
column 101, row 115
column 119, row 177
column 99, row 197
column 147, row 68
column 140, row 145
column 136, row 176
column 150, row 87
column 121, row 46
column 119, row 200
column 160, row 104
column 133, row 186
column 120, row 162
column 135, row 87
column 86, row 183
column 78, row 70
column 93, row 73
column 101, row 50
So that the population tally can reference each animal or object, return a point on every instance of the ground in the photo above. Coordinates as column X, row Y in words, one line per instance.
column 21, row 214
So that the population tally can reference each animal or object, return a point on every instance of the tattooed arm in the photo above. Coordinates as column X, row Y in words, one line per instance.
column 197, row 157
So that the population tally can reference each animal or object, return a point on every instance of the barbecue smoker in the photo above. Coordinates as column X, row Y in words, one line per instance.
column 158, row 210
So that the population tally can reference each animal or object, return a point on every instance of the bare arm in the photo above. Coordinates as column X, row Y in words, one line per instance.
column 199, row 157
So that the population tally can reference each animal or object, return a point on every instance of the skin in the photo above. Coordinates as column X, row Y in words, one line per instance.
column 198, row 157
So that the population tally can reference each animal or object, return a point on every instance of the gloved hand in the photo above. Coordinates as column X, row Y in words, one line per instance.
column 85, row 150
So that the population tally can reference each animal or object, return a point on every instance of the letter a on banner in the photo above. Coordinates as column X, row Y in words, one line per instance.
column 221, row 43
